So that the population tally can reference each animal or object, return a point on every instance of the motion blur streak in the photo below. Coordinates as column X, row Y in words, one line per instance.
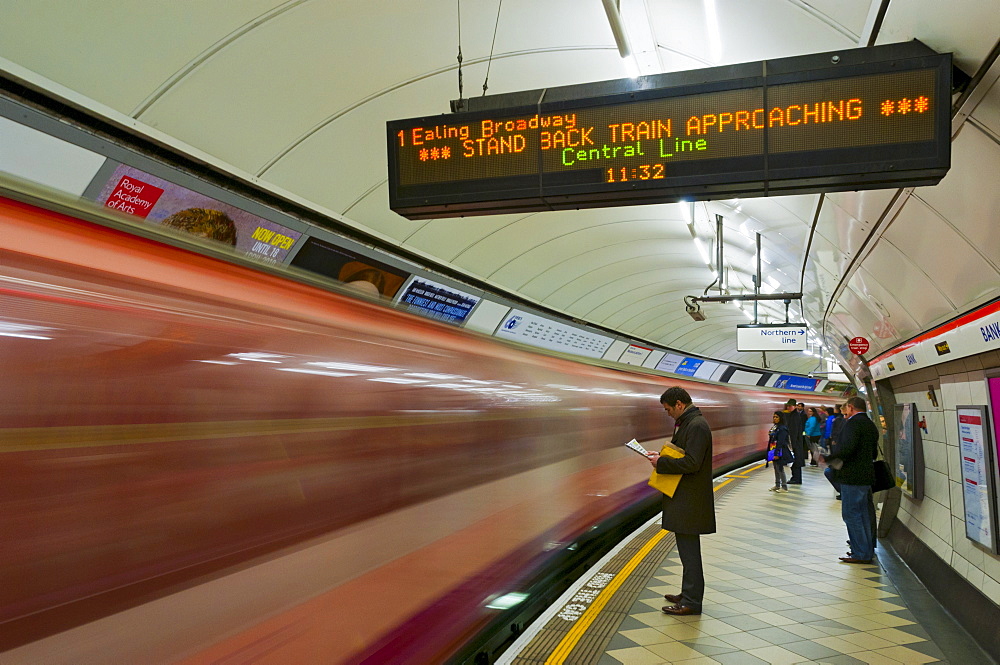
column 202, row 462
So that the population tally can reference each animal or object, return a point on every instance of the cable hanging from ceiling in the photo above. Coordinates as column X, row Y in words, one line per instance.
column 490, row 60
column 460, row 102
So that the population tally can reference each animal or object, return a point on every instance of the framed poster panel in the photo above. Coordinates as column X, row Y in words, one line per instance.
column 978, row 475
column 909, row 469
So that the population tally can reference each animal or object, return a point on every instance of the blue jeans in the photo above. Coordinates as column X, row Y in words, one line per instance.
column 829, row 473
column 854, row 502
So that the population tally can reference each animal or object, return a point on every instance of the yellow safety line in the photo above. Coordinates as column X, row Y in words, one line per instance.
column 568, row 643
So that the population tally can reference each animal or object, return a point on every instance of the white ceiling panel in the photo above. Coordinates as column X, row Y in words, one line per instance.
column 889, row 279
column 969, row 29
column 584, row 273
column 496, row 252
column 842, row 231
column 800, row 31
column 956, row 268
column 987, row 112
column 381, row 221
column 629, row 303
column 866, row 206
column 119, row 52
column 574, row 240
column 968, row 197
column 848, row 15
column 575, row 278
column 449, row 238
column 855, row 316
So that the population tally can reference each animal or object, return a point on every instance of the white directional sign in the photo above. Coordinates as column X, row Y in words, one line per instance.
column 771, row 337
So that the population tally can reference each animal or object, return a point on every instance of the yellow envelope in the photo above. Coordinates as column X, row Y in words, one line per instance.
column 667, row 482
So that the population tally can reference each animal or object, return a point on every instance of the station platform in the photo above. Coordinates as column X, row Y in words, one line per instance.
column 776, row 592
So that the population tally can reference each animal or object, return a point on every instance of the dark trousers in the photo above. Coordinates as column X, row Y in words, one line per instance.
column 798, row 460
column 693, row 581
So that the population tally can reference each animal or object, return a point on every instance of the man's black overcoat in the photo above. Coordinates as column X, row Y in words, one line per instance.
column 692, row 508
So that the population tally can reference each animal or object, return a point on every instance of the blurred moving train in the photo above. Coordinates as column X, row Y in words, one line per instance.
column 203, row 462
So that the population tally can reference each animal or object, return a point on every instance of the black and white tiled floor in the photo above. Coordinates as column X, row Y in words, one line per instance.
column 777, row 593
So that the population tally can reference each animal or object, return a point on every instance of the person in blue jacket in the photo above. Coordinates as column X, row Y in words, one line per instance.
column 777, row 440
column 813, row 431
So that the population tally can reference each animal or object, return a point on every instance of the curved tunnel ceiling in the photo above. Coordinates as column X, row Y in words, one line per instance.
column 294, row 97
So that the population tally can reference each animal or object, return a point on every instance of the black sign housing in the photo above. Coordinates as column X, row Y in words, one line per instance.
column 868, row 118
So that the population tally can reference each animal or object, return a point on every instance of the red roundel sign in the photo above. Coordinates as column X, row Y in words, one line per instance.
column 858, row 345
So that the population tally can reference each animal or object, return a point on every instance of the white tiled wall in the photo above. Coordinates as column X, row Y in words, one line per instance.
column 939, row 518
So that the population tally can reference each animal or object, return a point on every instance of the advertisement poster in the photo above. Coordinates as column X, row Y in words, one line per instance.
column 436, row 301
column 909, row 469
column 669, row 363
column 689, row 366
column 635, row 355
column 977, row 475
column 156, row 200
column 789, row 382
column 357, row 272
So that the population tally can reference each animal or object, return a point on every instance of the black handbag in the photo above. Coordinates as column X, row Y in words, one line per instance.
column 883, row 476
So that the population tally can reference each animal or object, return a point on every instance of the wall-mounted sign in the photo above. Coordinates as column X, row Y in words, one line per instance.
column 771, row 337
column 858, row 346
column 977, row 476
column 436, row 301
column 535, row 330
column 856, row 119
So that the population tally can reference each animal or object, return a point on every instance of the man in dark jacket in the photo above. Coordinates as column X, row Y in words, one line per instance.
column 856, row 449
column 691, row 511
column 795, row 419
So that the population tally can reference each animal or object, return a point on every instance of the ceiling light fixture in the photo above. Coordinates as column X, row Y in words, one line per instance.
column 621, row 37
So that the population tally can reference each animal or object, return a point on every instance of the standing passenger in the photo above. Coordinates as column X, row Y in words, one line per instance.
column 691, row 511
column 856, row 448
column 795, row 420
column 777, row 439
column 813, row 430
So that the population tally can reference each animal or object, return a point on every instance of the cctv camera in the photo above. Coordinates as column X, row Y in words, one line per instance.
column 694, row 311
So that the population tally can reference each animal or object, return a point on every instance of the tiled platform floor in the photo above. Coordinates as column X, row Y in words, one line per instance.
column 777, row 593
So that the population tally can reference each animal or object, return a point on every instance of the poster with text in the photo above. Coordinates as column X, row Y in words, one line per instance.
column 436, row 301
column 978, row 492
column 156, row 200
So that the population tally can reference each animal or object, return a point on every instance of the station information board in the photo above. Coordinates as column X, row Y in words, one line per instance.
column 875, row 118
column 771, row 337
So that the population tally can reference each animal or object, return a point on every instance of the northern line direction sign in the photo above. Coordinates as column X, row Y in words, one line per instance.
column 771, row 337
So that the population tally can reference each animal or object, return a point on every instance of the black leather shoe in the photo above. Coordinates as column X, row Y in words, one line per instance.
column 851, row 559
column 680, row 610
column 675, row 599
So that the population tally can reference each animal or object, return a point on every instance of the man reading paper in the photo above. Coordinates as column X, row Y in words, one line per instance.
column 691, row 510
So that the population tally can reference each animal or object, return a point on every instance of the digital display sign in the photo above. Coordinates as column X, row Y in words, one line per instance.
column 860, row 119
